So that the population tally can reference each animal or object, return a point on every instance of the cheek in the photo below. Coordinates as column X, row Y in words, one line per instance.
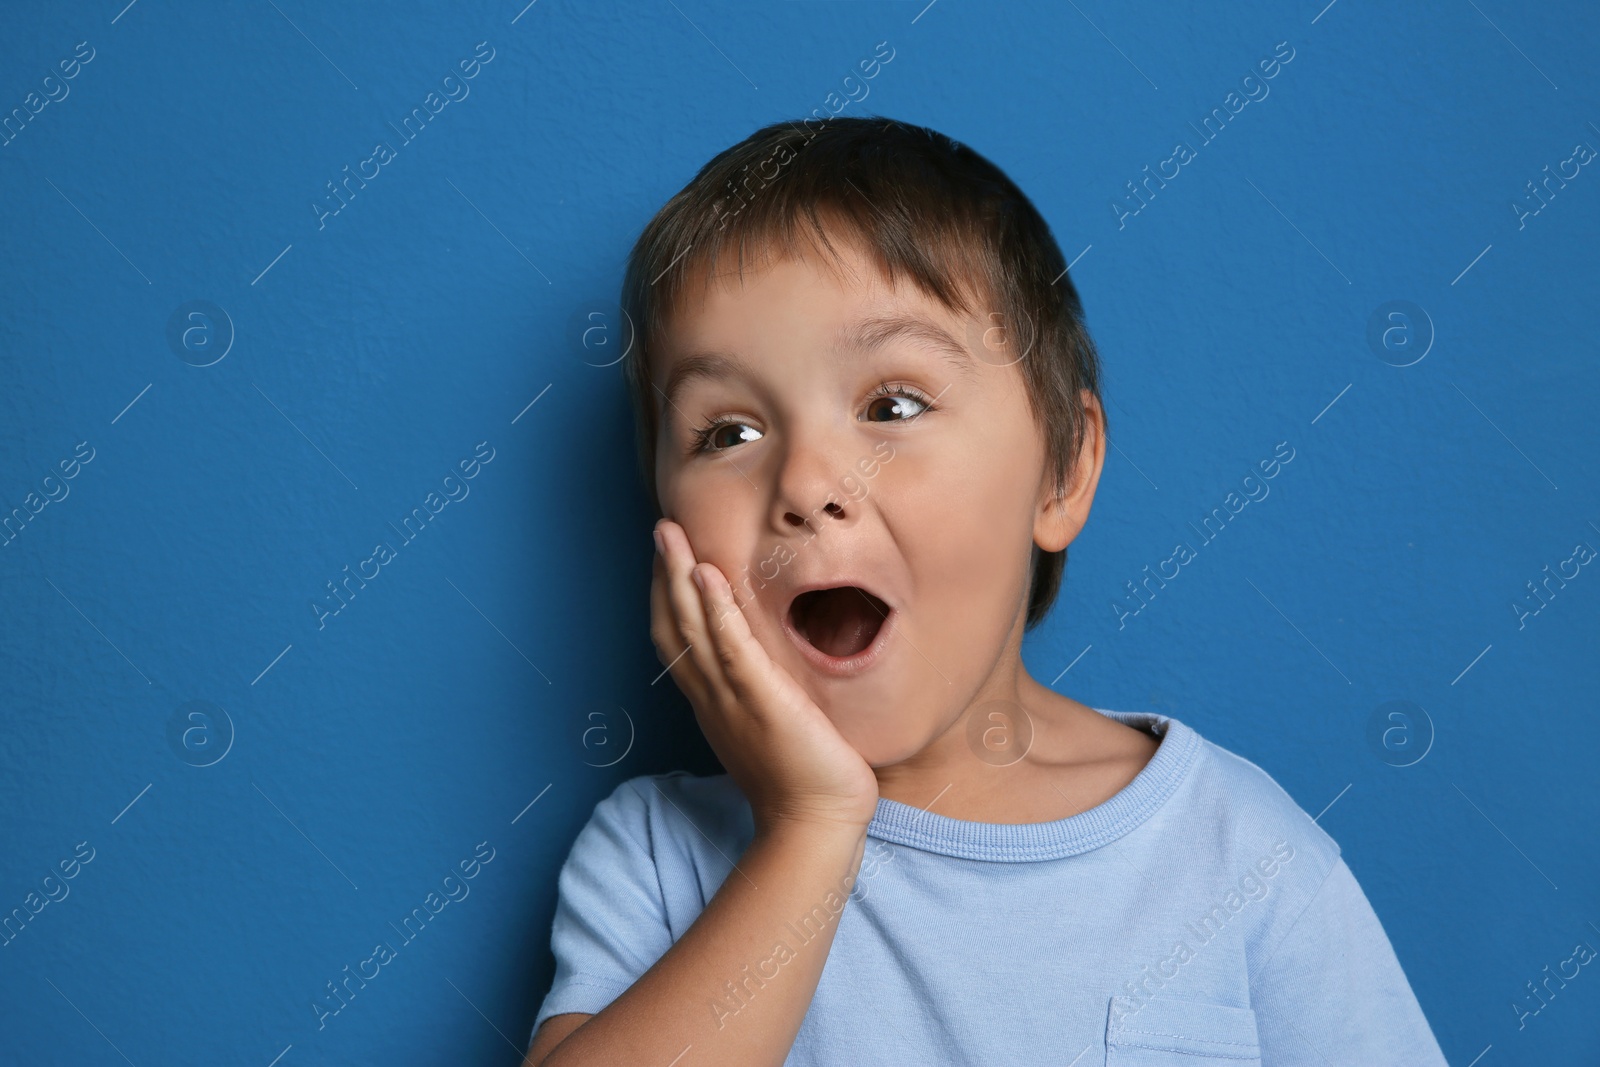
column 724, row 530
column 970, row 503
column 718, row 531
column 964, row 518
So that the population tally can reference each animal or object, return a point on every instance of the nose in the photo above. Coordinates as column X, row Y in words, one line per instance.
column 809, row 493
column 832, row 508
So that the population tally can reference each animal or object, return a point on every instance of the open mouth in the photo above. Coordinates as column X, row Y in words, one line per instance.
column 841, row 623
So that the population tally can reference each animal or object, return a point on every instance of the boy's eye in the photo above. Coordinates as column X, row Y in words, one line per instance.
column 886, row 403
column 717, row 437
column 895, row 406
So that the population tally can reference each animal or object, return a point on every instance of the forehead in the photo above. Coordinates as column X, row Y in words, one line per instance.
column 842, row 296
column 765, row 272
column 802, row 319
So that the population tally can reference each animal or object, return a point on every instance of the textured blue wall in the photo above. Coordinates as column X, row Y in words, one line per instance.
column 222, row 386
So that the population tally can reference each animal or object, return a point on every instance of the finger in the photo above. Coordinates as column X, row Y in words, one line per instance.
column 745, row 666
column 692, row 666
column 689, row 607
column 668, row 637
column 663, row 628
column 725, row 624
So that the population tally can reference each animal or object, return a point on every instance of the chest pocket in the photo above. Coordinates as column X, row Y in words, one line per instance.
column 1173, row 1032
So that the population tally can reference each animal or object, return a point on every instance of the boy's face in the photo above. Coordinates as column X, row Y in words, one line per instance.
column 930, row 498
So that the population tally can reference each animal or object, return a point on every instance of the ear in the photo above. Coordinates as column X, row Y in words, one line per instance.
column 1060, row 519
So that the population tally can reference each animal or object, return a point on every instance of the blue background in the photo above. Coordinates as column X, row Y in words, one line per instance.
column 503, row 657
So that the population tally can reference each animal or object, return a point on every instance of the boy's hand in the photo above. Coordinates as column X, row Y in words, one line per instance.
column 791, row 762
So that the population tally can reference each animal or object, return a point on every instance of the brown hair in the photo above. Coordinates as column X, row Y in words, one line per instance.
column 925, row 207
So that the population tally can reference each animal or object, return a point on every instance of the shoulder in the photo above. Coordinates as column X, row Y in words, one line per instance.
column 1257, row 805
column 1225, row 810
column 1229, row 818
column 1272, row 846
column 661, row 809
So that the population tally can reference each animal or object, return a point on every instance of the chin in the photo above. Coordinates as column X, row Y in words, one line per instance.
column 880, row 744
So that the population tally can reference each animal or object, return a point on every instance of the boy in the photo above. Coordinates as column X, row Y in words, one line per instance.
column 873, row 445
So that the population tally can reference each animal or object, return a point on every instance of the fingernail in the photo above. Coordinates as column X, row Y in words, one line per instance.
column 660, row 548
column 699, row 578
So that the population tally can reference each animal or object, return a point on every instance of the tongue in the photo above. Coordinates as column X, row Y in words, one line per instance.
column 840, row 622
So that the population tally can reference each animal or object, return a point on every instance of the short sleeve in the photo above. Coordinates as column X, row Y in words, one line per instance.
column 610, row 921
column 1333, row 990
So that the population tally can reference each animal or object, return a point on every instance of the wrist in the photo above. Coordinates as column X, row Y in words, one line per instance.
column 812, row 831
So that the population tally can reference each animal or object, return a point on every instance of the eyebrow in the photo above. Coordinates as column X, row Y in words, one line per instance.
column 864, row 335
column 875, row 331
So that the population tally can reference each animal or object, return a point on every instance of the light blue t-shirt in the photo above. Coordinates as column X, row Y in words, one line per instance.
column 1198, row 917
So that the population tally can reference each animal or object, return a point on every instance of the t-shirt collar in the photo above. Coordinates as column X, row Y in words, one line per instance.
column 902, row 824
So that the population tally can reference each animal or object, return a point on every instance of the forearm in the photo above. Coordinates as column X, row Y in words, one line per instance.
column 726, row 992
